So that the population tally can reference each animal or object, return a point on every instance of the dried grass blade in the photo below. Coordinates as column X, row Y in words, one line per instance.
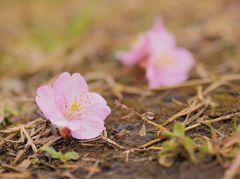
column 15, row 175
column 200, row 92
column 210, row 88
column 157, row 126
column 128, row 115
column 196, row 116
column 182, row 112
column 29, row 139
column 9, row 137
column 231, row 172
column 25, row 164
column 213, row 120
column 178, row 102
column 151, row 142
column 19, row 154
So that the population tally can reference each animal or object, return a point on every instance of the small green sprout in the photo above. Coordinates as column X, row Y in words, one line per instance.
column 35, row 162
column 59, row 155
column 178, row 144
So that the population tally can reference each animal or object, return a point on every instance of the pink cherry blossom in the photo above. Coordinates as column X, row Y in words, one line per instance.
column 165, row 63
column 71, row 107
column 139, row 52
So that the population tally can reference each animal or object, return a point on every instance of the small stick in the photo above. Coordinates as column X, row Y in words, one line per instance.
column 157, row 125
column 19, row 154
column 210, row 88
column 151, row 142
column 26, row 126
column 155, row 148
column 90, row 140
column 91, row 172
column 104, row 137
column 8, row 138
column 183, row 112
column 29, row 139
column 94, row 145
column 231, row 172
column 222, row 118
column 196, row 116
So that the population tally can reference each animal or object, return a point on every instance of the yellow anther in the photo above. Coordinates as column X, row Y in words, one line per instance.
column 75, row 107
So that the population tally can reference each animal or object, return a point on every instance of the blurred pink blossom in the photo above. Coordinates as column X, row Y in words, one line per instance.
column 71, row 107
column 156, row 51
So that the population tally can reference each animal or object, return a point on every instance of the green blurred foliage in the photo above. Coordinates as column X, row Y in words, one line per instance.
column 178, row 144
column 58, row 155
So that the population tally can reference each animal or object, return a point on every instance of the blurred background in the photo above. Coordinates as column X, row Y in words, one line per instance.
column 42, row 38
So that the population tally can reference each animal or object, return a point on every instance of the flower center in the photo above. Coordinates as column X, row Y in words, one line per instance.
column 165, row 60
column 76, row 108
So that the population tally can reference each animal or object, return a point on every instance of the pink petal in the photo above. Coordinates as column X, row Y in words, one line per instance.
column 51, row 104
column 90, row 128
column 45, row 99
column 99, row 107
column 184, row 58
column 70, row 86
column 78, row 84
column 162, row 77
column 160, row 40
column 59, row 119
column 136, row 54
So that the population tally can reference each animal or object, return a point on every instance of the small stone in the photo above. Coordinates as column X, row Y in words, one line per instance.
column 128, row 126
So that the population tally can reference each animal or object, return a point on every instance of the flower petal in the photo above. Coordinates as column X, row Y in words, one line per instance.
column 136, row 54
column 184, row 59
column 98, row 107
column 70, row 86
column 160, row 40
column 90, row 128
column 45, row 99
column 163, row 77
column 59, row 119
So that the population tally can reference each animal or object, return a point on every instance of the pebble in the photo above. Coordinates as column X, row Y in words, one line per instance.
column 128, row 126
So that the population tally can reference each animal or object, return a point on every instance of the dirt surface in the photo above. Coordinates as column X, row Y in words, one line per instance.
column 42, row 39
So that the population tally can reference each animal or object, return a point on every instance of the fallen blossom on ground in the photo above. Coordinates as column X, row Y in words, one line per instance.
column 156, row 52
column 71, row 107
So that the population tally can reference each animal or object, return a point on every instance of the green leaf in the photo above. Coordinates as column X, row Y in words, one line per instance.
column 51, row 151
column 168, row 134
column 238, row 128
column 166, row 160
column 178, row 129
column 59, row 155
column 189, row 148
column 35, row 160
column 170, row 146
column 177, row 144
column 71, row 155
